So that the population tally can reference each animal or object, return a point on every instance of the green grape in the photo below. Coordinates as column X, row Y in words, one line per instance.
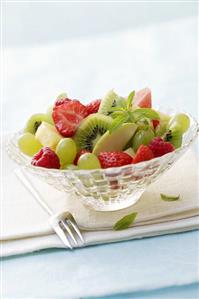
column 88, row 161
column 66, row 150
column 49, row 115
column 142, row 137
column 28, row 144
column 180, row 122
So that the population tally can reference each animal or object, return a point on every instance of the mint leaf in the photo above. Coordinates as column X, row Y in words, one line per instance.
column 145, row 112
column 129, row 100
column 113, row 109
column 118, row 121
column 125, row 222
column 117, row 113
column 169, row 197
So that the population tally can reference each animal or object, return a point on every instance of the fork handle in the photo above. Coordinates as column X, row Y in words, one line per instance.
column 31, row 188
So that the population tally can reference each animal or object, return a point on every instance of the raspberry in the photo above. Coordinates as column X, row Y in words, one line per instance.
column 93, row 107
column 159, row 147
column 46, row 158
column 114, row 159
column 67, row 117
column 81, row 152
column 143, row 154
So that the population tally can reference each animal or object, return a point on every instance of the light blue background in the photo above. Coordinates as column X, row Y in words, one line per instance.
column 133, row 269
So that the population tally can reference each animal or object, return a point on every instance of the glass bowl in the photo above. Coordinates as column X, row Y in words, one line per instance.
column 108, row 189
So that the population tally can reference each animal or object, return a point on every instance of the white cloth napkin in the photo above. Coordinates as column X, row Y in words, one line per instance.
column 25, row 226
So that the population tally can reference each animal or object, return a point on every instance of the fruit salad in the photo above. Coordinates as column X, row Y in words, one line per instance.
column 108, row 132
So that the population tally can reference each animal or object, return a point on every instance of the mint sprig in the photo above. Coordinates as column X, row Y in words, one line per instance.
column 117, row 122
column 129, row 100
column 125, row 221
column 126, row 114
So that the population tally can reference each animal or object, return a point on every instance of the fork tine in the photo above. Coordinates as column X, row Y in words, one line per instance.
column 75, row 227
column 67, row 228
column 62, row 235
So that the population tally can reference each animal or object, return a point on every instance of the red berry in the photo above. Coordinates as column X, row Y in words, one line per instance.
column 46, row 158
column 114, row 159
column 143, row 154
column 80, row 153
column 155, row 123
column 93, row 107
column 160, row 147
column 68, row 116
column 61, row 101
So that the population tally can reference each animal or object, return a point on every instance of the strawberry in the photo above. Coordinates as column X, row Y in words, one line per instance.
column 155, row 123
column 142, row 98
column 61, row 101
column 143, row 154
column 81, row 152
column 114, row 159
column 93, row 107
column 160, row 147
column 46, row 158
column 68, row 116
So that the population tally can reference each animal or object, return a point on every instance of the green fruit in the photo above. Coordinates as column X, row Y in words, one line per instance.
column 130, row 152
column 88, row 161
column 174, row 137
column 48, row 135
column 161, row 129
column 28, row 144
column 91, row 129
column 69, row 167
column 62, row 96
column 142, row 137
column 180, row 122
column 164, row 117
column 66, row 150
column 49, row 115
column 34, row 122
column 111, row 99
column 116, row 140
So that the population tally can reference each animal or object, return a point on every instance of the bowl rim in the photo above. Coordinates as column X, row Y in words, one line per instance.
column 136, row 166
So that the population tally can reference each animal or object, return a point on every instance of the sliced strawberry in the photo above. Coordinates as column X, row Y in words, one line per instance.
column 114, row 159
column 81, row 152
column 143, row 153
column 93, row 107
column 61, row 101
column 155, row 123
column 142, row 98
column 68, row 116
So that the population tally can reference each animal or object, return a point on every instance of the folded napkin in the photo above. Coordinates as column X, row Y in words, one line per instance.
column 25, row 226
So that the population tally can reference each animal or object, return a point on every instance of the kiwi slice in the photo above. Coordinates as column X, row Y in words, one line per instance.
column 111, row 99
column 34, row 122
column 174, row 137
column 91, row 129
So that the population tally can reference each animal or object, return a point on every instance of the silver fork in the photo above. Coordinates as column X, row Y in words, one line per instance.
column 63, row 223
